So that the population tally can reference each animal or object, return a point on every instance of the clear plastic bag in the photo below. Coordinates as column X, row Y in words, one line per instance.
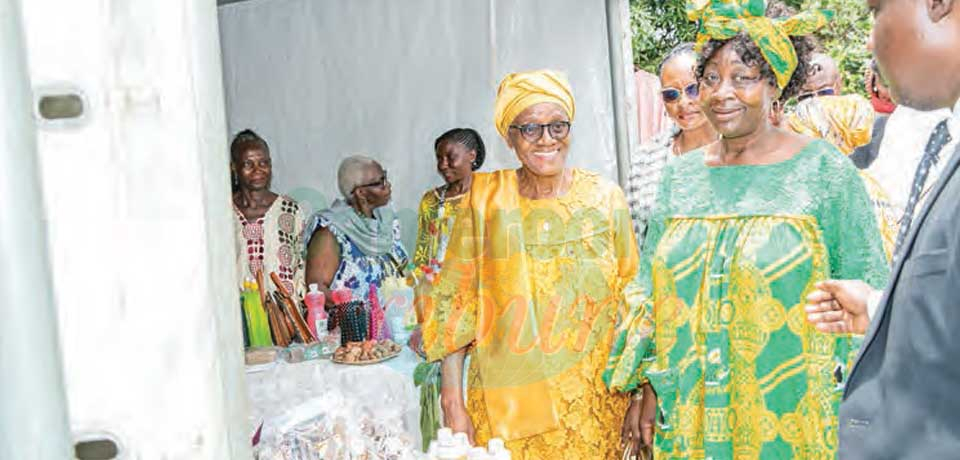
column 343, row 421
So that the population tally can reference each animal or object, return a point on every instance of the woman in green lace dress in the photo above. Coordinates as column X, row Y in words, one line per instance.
column 742, row 230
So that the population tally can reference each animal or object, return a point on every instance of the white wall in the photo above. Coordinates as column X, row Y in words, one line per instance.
column 140, row 226
column 321, row 79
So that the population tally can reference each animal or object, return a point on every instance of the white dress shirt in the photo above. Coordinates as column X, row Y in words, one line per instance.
column 901, row 149
column 900, row 152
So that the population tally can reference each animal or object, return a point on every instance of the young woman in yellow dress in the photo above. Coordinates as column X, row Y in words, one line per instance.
column 459, row 152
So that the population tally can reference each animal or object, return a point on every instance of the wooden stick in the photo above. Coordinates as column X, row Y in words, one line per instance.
column 295, row 318
column 293, row 311
column 280, row 335
column 276, row 318
column 274, row 327
column 261, row 287
column 279, row 284
column 287, row 320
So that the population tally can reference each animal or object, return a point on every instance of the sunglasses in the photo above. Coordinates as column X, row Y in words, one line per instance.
column 382, row 182
column 672, row 94
column 822, row 92
column 532, row 132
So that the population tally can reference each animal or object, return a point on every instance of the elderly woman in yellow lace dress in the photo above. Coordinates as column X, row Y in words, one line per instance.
column 531, row 286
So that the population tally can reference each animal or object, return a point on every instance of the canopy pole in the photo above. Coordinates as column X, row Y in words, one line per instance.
column 33, row 406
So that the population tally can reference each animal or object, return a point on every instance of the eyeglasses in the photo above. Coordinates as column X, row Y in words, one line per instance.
column 672, row 94
column 382, row 182
column 532, row 132
column 822, row 92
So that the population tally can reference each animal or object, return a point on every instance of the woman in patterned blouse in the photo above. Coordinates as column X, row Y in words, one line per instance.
column 269, row 227
column 459, row 152
column 680, row 92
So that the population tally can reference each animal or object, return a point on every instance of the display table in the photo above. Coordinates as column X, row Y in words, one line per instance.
column 281, row 395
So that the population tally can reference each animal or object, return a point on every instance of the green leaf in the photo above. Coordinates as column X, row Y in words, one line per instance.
column 420, row 373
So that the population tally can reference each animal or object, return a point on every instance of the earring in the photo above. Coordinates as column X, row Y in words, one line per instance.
column 234, row 180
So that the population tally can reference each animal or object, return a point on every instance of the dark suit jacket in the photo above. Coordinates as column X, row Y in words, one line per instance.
column 902, row 398
column 865, row 155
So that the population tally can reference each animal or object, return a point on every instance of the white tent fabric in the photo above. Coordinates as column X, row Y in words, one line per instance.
column 323, row 79
column 138, row 222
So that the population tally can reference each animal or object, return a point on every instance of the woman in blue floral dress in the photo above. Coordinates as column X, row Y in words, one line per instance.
column 355, row 244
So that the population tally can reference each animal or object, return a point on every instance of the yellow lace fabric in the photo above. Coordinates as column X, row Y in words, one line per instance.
column 535, row 286
column 887, row 221
column 590, row 415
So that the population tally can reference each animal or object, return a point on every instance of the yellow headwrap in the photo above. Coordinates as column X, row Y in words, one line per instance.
column 519, row 91
column 844, row 121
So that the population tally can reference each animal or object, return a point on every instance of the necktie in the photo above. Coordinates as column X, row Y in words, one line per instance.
column 931, row 154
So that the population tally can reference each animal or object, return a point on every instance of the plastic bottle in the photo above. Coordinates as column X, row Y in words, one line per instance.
column 444, row 434
column 478, row 453
column 449, row 447
column 431, row 451
column 315, row 311
column 258, row 326
column 498, row 451
column 397, row 308
column 317, row 318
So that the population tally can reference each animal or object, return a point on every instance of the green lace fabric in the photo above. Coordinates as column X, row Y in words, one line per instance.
column 719, row 326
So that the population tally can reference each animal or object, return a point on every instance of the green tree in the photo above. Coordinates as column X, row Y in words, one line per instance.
column 659, row 25
column 845, row 38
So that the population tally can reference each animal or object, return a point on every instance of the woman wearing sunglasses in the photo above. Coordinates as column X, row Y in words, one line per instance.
column 355, row 243
column 530, row 288
column 691, row 130
column 741, row 231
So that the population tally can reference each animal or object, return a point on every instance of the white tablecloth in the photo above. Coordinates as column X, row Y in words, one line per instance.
column 279, row 389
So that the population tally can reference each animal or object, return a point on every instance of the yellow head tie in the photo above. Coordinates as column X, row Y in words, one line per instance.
column 519, row 91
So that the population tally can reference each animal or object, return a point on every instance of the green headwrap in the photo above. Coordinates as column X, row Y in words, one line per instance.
column 723, row 19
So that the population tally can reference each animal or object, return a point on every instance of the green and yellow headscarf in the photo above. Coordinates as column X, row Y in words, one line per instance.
column 724, row 19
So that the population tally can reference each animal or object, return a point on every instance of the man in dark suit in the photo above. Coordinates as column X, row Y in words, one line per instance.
column 902, row 397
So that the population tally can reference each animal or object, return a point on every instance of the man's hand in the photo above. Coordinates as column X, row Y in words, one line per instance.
column 839, row 306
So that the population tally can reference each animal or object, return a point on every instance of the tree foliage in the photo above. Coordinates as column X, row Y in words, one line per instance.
column 659, row 25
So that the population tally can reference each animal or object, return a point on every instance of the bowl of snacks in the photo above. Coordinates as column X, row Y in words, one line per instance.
column 367, row 352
